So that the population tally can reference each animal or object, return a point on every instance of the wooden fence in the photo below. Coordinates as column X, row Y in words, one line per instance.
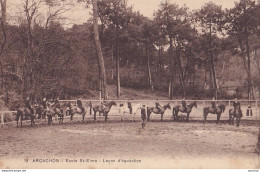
column 196, row 114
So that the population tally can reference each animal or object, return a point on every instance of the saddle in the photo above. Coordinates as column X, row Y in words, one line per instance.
column 214, row 110
column 159, row 109
column 184, row 108
column 237, row 111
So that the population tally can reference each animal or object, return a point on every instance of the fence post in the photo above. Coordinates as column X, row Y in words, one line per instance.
column 2, row 120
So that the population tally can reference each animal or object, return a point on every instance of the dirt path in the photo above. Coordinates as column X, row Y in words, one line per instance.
column 173, row 144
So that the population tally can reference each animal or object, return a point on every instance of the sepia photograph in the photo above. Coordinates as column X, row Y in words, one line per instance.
column 129, row 84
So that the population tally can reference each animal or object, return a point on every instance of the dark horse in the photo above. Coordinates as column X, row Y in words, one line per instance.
column 103, row 110
column 24, row 113
column 235, row 113
column 219, row 110
column 179, row 108
column 161, row 111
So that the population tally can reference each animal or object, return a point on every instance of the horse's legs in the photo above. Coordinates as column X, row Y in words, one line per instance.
column 122, row 114
column 21, row 121
column 232, row 121
column 71, row 117
column 95, row 115
column 105, row 113
column 188, row 116
column 237, row 121
column 176, row 114
column 218, row 117
column 83, row 116
column 173, row 115
column 230, row 117
column 148, row 116
column 205, row 114
column 31, row 120
column 134, row 116
column 161, row 116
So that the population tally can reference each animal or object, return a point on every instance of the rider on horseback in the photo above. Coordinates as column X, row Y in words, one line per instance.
column 103, row 105
column 183, row 103
column 79, row 104
column 236, row 106
column 157, row 105
column 28, row 105
column 213, row 103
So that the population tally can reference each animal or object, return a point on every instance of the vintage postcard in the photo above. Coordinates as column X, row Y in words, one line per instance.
column 130, row 84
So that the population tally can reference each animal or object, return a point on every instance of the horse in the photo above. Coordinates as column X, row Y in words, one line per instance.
column 129, row 108
column 179, row 108
column 105, row 111
column 219, row 110
column 235, row 113
column 77, row 110
column 161, row 111
column 52, row 111
column 24, row 112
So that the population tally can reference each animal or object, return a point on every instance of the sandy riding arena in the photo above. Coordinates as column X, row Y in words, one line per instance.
column 125, row 144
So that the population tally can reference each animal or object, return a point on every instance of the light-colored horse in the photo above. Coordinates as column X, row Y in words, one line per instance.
column 129, row 108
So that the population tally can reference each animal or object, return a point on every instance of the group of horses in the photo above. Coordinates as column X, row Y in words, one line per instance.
column 58, row 112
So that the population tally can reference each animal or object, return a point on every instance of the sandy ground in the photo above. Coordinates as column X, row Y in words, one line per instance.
column 126, row 145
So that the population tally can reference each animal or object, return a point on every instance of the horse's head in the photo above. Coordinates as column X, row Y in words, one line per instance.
column 112, row 103
column 167, row 106
column 195, row 104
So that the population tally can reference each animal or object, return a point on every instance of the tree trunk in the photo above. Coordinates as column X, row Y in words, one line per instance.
column 159, row 65
column 3, row 22
column 112, row 57
column 212, row 66
column 117, row 63
column 181, row 71
column 99, row 50
column 248, row 67
column 148, row 67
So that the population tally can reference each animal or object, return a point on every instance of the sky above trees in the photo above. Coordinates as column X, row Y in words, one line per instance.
column 78, row 14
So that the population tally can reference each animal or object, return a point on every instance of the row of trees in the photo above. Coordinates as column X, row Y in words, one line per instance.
column 171, row 51
column 189, row 38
